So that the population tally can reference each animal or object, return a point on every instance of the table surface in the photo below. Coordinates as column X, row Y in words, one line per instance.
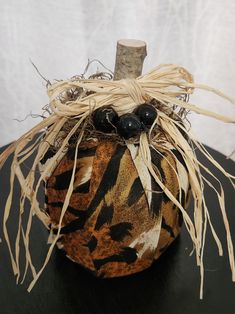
column 171, row 285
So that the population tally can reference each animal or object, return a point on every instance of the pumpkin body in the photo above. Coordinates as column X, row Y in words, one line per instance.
column 109, row 227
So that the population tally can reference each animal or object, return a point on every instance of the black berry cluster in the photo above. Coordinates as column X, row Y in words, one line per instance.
column 105, row 119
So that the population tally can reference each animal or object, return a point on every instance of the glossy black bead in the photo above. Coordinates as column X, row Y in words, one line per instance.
column 105, row 119
column 147, row 114
column 129, row 125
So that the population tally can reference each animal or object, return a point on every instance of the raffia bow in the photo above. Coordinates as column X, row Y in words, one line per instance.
column 170, row 85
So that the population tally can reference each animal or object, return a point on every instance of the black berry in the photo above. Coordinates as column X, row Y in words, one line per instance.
column 147, row 114
column 129, row 125
column 105, row 119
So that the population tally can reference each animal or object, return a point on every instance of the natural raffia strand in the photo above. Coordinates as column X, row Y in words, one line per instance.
column 170, row 85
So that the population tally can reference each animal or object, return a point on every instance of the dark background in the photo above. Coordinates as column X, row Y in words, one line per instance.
column 171, row 285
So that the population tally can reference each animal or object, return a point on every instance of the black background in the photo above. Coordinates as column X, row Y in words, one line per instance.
column 171, row 285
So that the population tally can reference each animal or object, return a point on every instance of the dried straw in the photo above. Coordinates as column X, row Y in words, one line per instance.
column 72, row 102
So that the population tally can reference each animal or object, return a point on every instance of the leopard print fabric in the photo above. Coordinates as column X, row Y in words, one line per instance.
column 109, row 226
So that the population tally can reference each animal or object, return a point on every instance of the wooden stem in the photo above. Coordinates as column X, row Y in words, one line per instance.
column 130, row 57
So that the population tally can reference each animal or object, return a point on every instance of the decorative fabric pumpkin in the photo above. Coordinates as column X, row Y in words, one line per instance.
column 115, row 202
